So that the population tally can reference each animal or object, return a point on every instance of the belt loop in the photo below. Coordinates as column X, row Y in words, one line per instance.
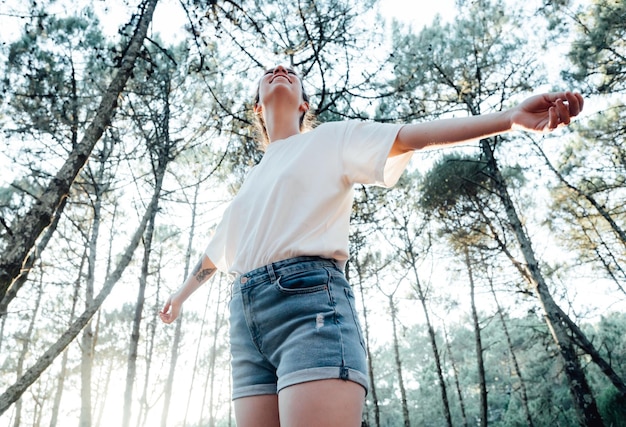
column 271, row 273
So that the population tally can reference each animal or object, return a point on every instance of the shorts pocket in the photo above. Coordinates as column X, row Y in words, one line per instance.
column 355, row 316
column 305, row 282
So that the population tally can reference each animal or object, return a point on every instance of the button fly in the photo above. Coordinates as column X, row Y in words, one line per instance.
column 244, row 280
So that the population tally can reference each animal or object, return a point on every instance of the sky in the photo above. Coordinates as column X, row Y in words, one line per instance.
column 168, row 19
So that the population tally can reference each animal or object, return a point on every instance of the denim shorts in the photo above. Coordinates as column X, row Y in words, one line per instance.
column 291, row 322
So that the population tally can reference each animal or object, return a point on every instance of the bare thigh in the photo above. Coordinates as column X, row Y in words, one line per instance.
column 257, row 411
column 328, row 403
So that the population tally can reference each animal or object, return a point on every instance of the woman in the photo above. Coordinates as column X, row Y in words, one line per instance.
column 297, row 351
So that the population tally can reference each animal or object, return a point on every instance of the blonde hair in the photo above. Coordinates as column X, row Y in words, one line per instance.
column 307, row 119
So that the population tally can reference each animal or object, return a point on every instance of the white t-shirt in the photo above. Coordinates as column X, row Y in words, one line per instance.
column 297, row 201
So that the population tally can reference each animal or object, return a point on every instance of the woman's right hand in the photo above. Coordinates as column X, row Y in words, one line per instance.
column 201, row 273
column 171, row 310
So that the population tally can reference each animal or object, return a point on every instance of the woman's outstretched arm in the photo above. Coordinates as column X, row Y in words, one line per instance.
column 202, row 272
column 538, row 113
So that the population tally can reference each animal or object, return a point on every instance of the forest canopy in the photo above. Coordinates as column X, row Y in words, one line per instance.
column 490, row 281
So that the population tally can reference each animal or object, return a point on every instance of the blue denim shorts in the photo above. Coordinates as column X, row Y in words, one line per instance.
column 291, row 322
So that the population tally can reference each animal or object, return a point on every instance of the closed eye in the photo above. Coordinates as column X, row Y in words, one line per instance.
column 289, row 71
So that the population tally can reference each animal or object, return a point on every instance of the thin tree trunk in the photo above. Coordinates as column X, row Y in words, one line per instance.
column 396, row 352
column 160, row 160
column 131, row 370
column 61, row 378
column 457, row 382
column 516, row 367
column 167, row 397
column 26, row 341
column 479, row 345
column 2, row 324
column 197, row 357
column 584, row 400
column 210, row 380
column 105, row 392
column 195, row 362
column 15, row 391
column 433, row 342
column 25, row 231
column 87, row 340
column 370, row 363
column 151, row 333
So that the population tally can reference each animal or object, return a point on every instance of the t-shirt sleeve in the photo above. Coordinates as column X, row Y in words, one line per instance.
column 366, row 147
column 216, row 249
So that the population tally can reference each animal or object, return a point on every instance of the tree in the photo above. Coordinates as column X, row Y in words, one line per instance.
column 599, row 52
column 22, row 233
column 469, row 84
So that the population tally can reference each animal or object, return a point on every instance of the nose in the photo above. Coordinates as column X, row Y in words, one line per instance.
column 281, row 69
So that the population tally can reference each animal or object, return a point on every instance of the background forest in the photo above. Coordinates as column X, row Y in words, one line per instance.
column 491, row 281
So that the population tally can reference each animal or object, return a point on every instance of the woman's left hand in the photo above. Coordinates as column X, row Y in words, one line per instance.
column 547, row 111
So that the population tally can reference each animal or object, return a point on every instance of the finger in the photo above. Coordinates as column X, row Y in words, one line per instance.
column 581, row 101
column 562, row 111
column 573, row 103
column 553, row 118
column 165, row 318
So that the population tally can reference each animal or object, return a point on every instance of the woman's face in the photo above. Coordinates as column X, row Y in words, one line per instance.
column 280, row 84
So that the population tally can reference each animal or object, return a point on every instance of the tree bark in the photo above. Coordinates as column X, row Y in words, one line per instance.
column 131, row 370
column 167, row 395
column 516, row 366
column 27, row 229
column 457, row 383
column 433, row 343
column 87, row 339
column 396, row 352
column 30, row 262
column 26, row 340
column 484, row 413
column 366, row 332
column 144, row 407
column 61, row 378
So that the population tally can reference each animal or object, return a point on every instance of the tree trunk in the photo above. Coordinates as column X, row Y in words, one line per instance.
column 210, row 381
column 516, row 367
column 131, row 370
column 13, row 393
column 144, row 407
column 30, row 262
column 61, row 379
column 479, row 345
column 105, row 391
column 26, row 230
column 169, row 384
column 396, row 352
column 366, row 333
column 167, row 395
column 433, row 343
column 195, row 367
column 26, row 340
column 584, row 401
column 87, row 340
column 457, row 382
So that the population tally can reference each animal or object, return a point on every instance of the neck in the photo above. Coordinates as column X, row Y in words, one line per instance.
column 282, row 124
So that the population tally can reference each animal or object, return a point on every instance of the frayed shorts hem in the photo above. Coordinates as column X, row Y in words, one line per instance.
column 304, row 376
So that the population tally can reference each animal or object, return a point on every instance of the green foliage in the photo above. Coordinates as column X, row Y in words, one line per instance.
column 599, row 50
column 612, row 407
column 466, row 65
column 452, row 183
